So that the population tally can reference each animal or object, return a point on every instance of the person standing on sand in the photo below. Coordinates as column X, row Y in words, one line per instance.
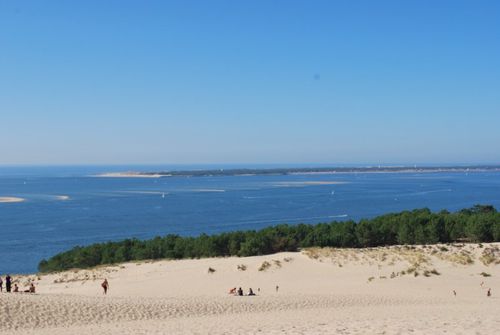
column 105, row 286
column 488, row 294
column 8, row 283
column 1, row 284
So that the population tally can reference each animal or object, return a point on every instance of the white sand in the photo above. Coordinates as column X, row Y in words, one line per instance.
column 128, row 175
column 321, row 291
column 11, row 199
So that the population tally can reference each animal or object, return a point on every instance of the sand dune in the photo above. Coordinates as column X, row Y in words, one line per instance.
column 321, row 291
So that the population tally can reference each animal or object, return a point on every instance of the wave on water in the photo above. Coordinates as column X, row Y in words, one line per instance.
column 285, row 220
column 208, row 190
column 429, row 192
column 338, row 216
column 144, row 192
column 308, row 183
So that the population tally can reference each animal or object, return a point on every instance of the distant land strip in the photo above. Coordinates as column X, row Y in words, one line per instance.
column 306, row 170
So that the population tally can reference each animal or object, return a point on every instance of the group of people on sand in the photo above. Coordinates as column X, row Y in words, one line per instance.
column 239, row 291
column 31, row 289
column 14, row 288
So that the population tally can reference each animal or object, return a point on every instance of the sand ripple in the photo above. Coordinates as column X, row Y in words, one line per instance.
column 60, row 314
column 22, row 311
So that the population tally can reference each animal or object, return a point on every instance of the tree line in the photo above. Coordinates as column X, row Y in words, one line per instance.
column 286, row 171
column 480, row 223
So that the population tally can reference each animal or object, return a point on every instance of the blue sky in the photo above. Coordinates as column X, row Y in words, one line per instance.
column 181, row 82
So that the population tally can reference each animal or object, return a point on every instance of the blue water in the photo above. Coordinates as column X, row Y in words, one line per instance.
column 102, row 209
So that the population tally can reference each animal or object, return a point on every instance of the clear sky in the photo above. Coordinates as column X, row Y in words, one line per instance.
column 116, row 82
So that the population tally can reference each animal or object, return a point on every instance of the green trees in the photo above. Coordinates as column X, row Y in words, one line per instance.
column 421, row 226
column 479, row 227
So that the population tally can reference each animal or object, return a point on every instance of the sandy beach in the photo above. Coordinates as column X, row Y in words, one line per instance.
column 10, row 199
column 128, row 175
column 393, row 290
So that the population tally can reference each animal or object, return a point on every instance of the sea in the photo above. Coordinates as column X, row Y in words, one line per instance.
column 66, row 206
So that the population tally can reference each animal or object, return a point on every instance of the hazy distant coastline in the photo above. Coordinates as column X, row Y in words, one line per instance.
column 130, row 174
column 297, row 171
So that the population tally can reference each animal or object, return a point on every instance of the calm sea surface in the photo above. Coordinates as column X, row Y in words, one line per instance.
column 65, row 206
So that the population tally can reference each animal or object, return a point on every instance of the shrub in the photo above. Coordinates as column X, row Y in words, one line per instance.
column 264, row 266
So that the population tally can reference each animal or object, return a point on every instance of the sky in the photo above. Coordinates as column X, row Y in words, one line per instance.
column 249, row 82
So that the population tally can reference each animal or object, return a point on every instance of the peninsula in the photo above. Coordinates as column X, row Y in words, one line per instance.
column 300, row 170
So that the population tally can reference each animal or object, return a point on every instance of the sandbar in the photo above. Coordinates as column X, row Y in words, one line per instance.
column 128, row 175
column 11, row 199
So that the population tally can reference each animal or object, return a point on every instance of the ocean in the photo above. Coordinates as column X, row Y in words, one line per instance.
column 67, row 206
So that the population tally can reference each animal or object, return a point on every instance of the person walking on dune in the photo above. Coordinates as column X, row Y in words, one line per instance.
column 105, row 286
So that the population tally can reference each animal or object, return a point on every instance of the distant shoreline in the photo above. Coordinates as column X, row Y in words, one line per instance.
column 296, row 171
column 129, row 175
